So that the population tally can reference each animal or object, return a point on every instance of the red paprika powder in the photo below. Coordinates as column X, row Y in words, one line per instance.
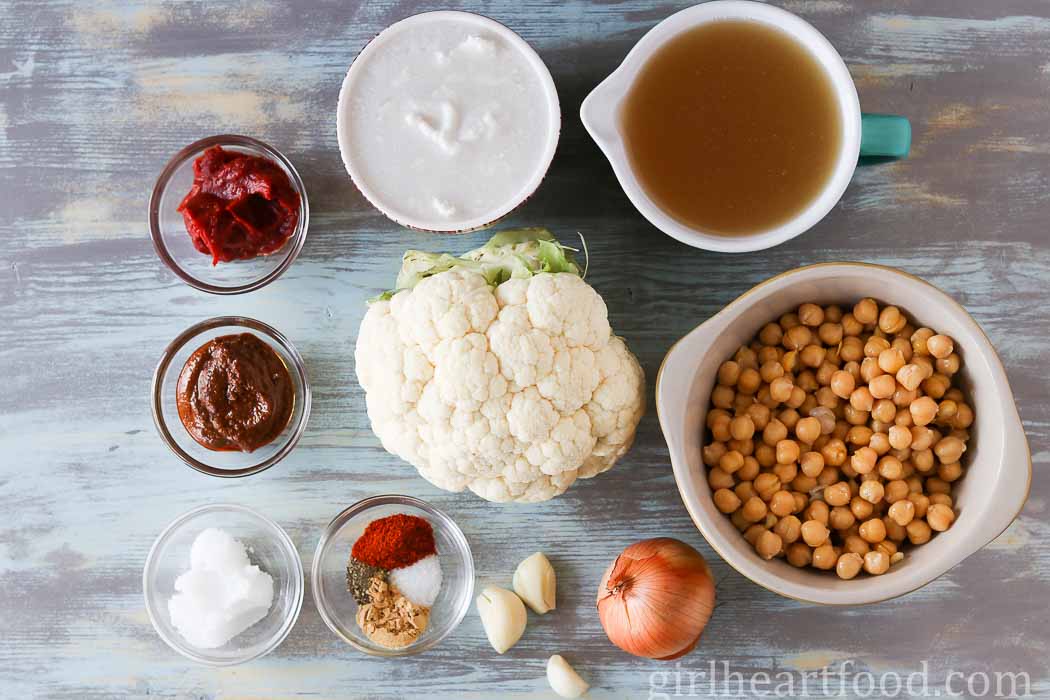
column 395, row 541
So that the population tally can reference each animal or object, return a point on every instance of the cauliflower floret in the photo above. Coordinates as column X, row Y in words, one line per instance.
column 513, row 392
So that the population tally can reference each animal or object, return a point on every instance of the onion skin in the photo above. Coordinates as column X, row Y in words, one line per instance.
column 655, row 599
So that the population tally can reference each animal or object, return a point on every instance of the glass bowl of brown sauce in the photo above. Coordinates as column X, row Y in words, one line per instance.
column 230, row 396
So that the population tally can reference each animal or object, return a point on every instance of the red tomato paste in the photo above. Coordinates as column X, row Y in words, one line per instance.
column 240, row 206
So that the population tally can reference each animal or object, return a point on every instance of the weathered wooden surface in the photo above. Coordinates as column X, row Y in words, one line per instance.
column 96, row 96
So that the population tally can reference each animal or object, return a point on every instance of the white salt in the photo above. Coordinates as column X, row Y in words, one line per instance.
column 222, row 594
column 420, row 582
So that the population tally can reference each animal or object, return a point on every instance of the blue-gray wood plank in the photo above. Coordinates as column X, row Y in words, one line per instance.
column 96, row 96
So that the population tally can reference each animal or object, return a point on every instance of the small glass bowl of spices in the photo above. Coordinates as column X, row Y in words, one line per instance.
column 392, row 575
column 230, row 396
column 223, row 584
column 228, row 214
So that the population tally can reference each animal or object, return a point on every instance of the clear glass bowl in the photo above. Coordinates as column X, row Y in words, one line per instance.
column 166, row 413
column 328, row 576
column 269, row 547
column 173, row 243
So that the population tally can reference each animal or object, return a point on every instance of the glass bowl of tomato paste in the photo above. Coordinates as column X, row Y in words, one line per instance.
column 331, row 575
column 228, row 214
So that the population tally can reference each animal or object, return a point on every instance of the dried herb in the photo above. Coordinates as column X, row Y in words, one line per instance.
column 359, row 577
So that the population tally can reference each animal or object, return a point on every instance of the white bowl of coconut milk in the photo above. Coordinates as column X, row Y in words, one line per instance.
column 447, row 121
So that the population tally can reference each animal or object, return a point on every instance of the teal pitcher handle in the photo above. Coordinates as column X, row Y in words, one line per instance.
column 884, row 135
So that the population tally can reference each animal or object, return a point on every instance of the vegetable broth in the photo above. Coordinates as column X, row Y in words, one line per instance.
column 732, row 127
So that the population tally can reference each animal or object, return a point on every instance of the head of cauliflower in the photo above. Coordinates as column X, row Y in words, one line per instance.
column 513, row 391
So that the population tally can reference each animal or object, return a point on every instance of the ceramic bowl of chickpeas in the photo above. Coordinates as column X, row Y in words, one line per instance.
column 843, row 433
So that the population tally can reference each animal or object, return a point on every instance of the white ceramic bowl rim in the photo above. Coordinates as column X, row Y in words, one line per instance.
column 1000, row 450
column 600, row 115
column 297, row 574
column 528, row 187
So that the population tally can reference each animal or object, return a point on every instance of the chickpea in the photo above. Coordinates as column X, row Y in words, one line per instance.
column 842, row 384
column 963, row 417
column 849, row 565
column 812, row 464
column 879, row 441
column 789, row 528
column 834, row 452
column 749, row 381
column 873, row 530
column 902, row 512
column 728, row 373
column 872, row 491
column 759, row 415
column 771, row 334
column 789, row 361
column 897, row 490
column 939, row 517
column 919, row 531
column 817, row 510
column 799, row 554
column 782, row 503
column 712, row 452
column 876, row 563
column 789, row 417
column 855, row 417
column 851, row 327
column 841, row 518
column 948, row 365
column 754, row 509
column 859, row 435
column 923, row 410
column 904, row 346
column 866, row 311
column 894, row 532
column 900, row 437
column 744, row 490
column 891, row 320
column 769, row 544
column 882, row 386
column 745, row 357
column 874, row 346
column 923, row 438
column 771, row 370
column 863, row 460
column 744, row 447
column 731, row 461
column 936, row 385
column 780, row 389
column 888, row 547
column 855, row 544
column 922, row 503
column 798, row 396
column 750, row 470
column 830, row 333
column 726, row 501
column 766, row 354
column 860, row 508
column 918, row 341
column 837, row 494
column 826, row 417
column 765, row 455
column 753, row 532
column 810, row 315
column 797, row 337
column 787, row 452
column 890, row 468
column 774, row 432
column 742, row 427
column 719, row 479
column 789, row 320
column 884, row 410
column 941, row 499
column 950, row 472
column 766, row 485
column 812, row 355
column 826, row 398
column 804, row 483
column 814, row 533
column 825, row 557
column 807, row 430
column 737, row 518
column 891, row 360
column 940, row 346
column 949, row 449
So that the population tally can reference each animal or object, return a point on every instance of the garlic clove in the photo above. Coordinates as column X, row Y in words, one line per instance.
column 503, row 617
column 535, row 583
column 563, row 678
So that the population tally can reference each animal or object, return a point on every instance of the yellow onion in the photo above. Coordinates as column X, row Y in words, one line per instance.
column 656, row 598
